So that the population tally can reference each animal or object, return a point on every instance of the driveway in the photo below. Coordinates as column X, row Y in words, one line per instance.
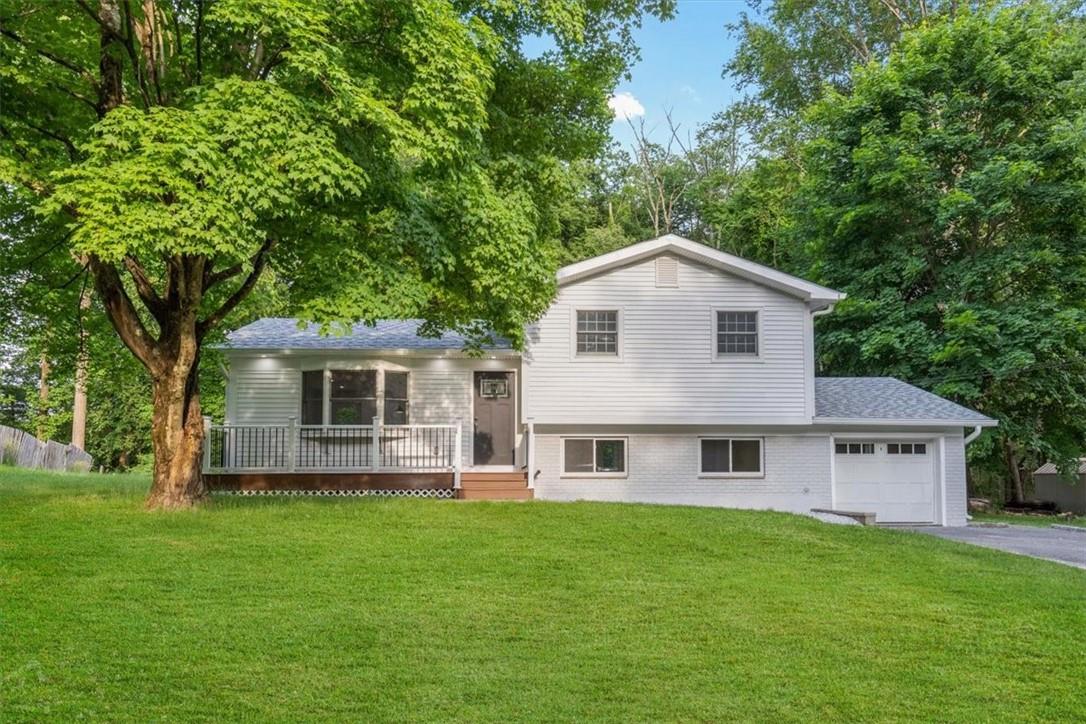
column 1053, row 544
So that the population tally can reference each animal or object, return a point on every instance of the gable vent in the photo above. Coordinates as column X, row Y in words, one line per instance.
column 667, row 271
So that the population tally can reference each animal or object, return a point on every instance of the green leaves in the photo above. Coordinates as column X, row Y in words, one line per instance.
column 211, row 179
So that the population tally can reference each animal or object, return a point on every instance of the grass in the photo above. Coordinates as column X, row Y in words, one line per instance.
column 332, row 609
column 1039, row 521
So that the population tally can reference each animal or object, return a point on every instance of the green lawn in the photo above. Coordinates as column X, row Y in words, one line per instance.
column 276, row 609
column 1043, row 521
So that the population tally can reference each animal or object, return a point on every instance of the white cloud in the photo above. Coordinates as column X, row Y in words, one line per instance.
column 625, row 106
column 689, row 92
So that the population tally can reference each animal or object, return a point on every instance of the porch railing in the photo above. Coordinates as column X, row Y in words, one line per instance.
column 333, row 448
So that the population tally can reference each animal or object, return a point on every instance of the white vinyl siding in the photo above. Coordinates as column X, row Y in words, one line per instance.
column 668, row 373
column 267, row 390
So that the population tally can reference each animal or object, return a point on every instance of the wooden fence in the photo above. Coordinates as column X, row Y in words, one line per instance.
column 23, row 450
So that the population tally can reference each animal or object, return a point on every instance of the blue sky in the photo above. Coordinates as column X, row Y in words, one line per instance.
column 680, row 67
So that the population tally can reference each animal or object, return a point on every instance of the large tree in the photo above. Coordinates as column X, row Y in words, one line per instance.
column 392, row 158
column 946, row 193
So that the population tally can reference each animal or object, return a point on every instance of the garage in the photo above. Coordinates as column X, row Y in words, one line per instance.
column 895, row 479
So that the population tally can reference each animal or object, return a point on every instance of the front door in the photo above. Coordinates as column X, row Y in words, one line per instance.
column 494, row 418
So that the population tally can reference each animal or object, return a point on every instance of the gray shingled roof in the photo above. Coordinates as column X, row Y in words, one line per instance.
column 283, row 333
column 884, row 398
column 1050, row 468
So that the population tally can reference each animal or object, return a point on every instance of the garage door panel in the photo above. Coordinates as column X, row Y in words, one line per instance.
column 898, row 488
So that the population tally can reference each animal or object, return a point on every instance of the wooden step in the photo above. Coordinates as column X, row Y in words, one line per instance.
column 493, row 484
column 508, row 476
column 498, row 494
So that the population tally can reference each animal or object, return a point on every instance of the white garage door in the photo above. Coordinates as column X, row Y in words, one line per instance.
column 895, row 479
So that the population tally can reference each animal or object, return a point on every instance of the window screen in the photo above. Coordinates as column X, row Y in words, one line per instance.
column 313, row 397
column 610, row 456
column 396, row 401
column 597, row 332
column 737, row 333
column 352, row 398
column 579, row 456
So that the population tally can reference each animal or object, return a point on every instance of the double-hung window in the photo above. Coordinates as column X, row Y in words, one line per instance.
column 737, row 333
column 352, row 397
column 395, row 398
column 597, row 333
column 736, row 457
column 594, row 456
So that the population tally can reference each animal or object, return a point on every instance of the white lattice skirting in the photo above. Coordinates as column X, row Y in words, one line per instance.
column 439, row 493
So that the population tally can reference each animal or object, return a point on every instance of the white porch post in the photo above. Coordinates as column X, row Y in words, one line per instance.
column 530, row 440
column 458, row 452
column 375, row 444
column 207, row 443
column 292, row 442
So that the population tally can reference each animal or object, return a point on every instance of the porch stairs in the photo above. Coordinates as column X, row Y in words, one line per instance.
column 512, row 485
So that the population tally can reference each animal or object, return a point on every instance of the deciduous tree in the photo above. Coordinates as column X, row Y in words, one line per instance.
column 946, row 193
column 392, row 158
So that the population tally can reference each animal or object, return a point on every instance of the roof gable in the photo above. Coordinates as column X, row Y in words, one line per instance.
column 670, row 243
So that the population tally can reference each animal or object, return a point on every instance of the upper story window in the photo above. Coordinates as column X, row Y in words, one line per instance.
column 737, row 333
column 597, row 332
column 354, row 397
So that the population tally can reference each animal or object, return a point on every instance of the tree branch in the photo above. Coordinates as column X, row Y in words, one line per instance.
column 122, row 313
column 48, row 55
column 259, row 261
column 146, row 289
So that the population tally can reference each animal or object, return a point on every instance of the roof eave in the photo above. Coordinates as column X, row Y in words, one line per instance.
column 390, row 351
column 905, row 422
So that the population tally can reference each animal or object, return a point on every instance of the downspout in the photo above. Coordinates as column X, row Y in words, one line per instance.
column 977, row 429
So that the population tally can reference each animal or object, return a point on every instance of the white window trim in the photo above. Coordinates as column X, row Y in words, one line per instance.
column 620, row 316
column 326, row 401
column 625, row 456
column 750, row 476
column 716, row 356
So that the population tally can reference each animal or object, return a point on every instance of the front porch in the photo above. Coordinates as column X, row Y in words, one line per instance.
column 375, row 459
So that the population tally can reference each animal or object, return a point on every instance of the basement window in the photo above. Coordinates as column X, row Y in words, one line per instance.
column 594, row 456
column 735, row 457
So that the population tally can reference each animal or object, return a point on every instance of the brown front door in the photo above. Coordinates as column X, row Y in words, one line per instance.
column 495, row 397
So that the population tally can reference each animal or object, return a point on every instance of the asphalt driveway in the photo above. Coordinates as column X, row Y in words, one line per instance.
column 1053, row 544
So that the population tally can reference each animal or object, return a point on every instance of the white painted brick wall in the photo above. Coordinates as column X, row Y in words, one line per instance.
column 956, row 493
column 664, row 469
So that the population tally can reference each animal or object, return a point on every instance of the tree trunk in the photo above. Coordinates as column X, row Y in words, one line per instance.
column 1018, row 495
column 79, row 399
column 43, row 395
column 177, row 435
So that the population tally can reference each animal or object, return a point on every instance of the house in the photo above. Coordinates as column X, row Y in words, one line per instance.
column 1068, row 495
column 664, row 372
